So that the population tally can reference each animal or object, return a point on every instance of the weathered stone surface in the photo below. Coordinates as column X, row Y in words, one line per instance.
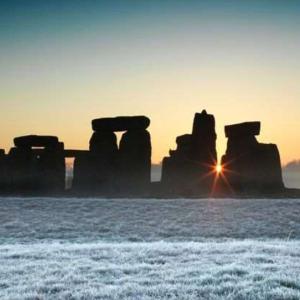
column 242, row 129
column 35, row 141
column 121, row 123
column 135, row 161
column 250, row 166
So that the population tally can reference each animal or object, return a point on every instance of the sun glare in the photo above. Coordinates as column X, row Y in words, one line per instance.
column 218, row 169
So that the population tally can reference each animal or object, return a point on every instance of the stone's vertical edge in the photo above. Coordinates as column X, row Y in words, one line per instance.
column 277, row 178
column 270, row 167
column 4, row 179
column 104, row 157
column 165, row 170
column 135, row 162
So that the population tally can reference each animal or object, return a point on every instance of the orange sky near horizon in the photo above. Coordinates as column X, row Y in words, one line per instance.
column 73, row 126
column 62, row 65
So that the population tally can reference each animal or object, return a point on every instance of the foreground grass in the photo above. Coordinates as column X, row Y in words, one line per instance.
column 248, row 269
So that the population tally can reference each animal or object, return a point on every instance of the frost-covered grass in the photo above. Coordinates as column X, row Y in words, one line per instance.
column 54, row 248
column 140, row 220
column 155, row 270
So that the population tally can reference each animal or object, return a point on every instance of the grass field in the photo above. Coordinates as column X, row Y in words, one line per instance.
column 149, row 249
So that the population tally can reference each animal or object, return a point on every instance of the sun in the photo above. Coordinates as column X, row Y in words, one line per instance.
column 218, row 168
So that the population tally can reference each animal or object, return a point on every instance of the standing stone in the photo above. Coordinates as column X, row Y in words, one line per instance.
column 84, row 173
column 176, row 169
column 4, row 180
column 250, row 166
column 109, row 170
column 189, row 169
column 203, row 144
column 94, row 172
column 135, row 161
column 104, row 151
column 184, row 143
column 104, row 143
column 39, row 170
column 23, row 176
column 51, row 168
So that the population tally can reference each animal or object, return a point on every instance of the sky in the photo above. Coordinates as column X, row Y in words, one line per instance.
column 63, row 63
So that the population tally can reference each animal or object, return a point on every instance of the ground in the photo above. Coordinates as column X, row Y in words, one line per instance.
column 149, row 249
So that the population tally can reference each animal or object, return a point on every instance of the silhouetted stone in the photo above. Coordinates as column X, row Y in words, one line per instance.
column 173, row 152
column 22, row 166
column 37, row 170
column 188, row 170
column 121, row 123
column 4, row 180
column 37, row 163
column 250, row 166
column 74, row 152
column 135, row 161
column 51, row 168
column 183, row 145
column 94, row 174
column 36, row 141
column 83, row 173
column 203, row 144
column 107, row 169
column 95, row 171
column 242, row 129
column 104, row 150
column 184, row 140
column 180, row 176
column 104, row 143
